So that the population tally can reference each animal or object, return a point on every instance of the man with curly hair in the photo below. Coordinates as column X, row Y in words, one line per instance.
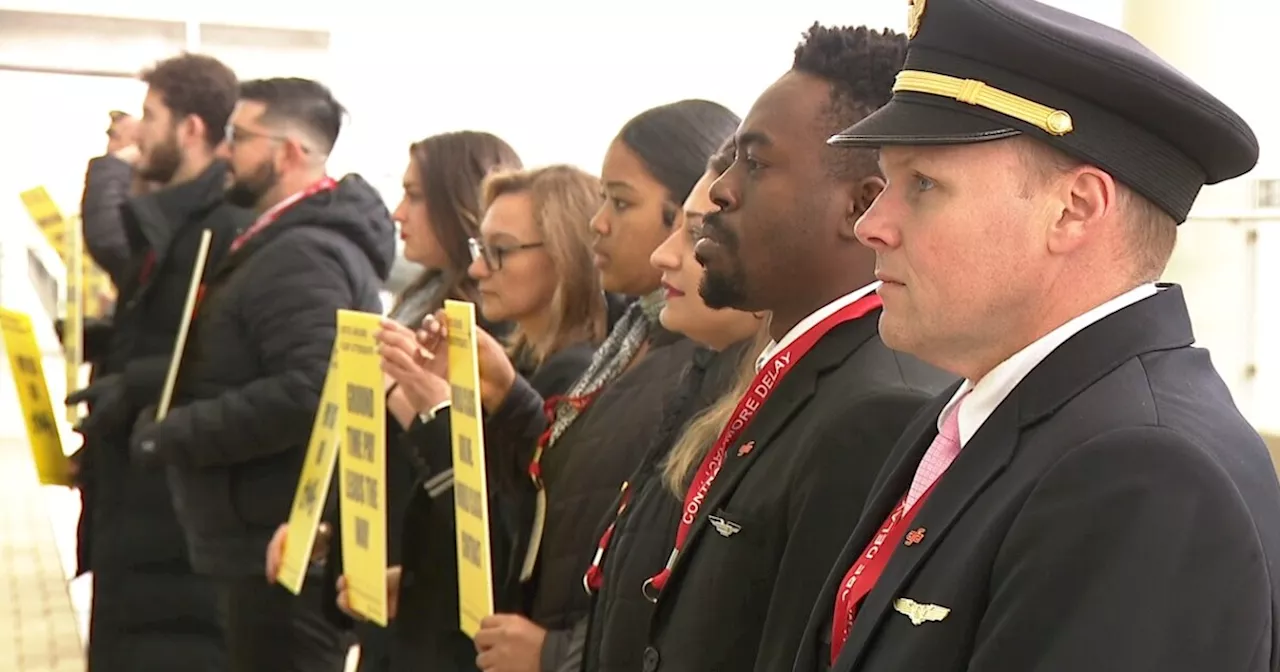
column 149, row 608
column 775, row 495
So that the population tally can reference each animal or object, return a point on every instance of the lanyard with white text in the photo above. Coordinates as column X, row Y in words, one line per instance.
column 765, row 382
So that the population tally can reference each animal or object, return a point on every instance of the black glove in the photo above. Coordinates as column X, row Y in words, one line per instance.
column 144, row 444
column 95, row 390
column 108, row 402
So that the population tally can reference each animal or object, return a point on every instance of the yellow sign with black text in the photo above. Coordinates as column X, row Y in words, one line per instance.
column 470, row 482
column 362, row 464
column 45, row 213
column 313, row 483
column 52, row 465
column 87, row 284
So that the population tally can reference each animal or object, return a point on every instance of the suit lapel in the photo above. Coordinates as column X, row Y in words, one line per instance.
column 984, row 457
column 791, row 395
column 893, row 480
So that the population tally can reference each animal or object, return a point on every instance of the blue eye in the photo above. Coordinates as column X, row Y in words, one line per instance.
column 923, row 183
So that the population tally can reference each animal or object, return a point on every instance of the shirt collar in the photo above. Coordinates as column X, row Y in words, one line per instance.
column 812, row 320
column 990, row 391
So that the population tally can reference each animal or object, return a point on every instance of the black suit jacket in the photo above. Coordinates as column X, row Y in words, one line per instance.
column 737, row 603
column 1115, row 512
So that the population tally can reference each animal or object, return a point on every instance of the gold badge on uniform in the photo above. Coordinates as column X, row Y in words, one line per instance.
column 915, row 12
column 919, row 613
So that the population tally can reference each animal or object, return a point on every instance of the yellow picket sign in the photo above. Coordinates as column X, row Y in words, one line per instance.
column 52, row 465
column 313, row 483
column 45, row 213
column 470, row 483
column 362, row 464
column 73, row 325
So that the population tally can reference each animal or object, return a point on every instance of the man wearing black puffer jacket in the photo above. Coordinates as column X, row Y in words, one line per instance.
column 149, row 607
column 255, row 363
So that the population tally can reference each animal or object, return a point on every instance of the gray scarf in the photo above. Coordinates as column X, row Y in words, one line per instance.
column 609, row 361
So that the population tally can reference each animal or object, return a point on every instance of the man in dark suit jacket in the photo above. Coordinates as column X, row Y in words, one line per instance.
column 768, row 509
column 1089, row 498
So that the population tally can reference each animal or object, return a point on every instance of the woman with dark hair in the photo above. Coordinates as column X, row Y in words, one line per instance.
column 633, row 544
column 438, row 214
column 576, row 453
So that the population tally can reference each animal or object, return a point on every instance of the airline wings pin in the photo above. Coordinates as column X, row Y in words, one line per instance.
column 919, row 613
column 726, row 528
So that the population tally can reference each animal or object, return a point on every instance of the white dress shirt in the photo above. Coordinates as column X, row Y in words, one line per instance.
column 993, row 388
column 812, row 321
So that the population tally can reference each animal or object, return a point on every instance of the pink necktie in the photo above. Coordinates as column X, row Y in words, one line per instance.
column 942, row 452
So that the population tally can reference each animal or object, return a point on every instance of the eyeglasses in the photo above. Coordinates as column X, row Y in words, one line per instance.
column 236, row 134
column 494, row 255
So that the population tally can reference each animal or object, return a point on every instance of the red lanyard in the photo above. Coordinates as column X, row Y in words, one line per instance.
column 864, row 573
column 549, row 408
column 594, row 578
column 762, row 386
column 324, row 184
column 148, row 265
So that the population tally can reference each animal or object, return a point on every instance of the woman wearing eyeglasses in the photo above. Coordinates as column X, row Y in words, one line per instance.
column 532, row 267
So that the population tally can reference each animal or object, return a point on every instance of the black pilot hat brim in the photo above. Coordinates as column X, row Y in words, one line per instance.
column 981, row 70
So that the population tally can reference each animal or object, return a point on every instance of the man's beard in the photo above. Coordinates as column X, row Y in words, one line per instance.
column 162, row 162
column 723, row 288
column 247, row 191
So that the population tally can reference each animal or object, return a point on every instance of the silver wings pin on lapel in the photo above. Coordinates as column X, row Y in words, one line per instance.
column 919, row 613
column 726, row 528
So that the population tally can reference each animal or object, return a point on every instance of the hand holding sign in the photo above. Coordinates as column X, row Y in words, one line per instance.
column 393, row 595
column 509, row 643
column 144, row 442
column 411, row 367
column 497, row 373
column 278, row 544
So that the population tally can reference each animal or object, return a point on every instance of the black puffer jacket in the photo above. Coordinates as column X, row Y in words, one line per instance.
column 255, row 364
column 131, row 518
column 106, row 190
